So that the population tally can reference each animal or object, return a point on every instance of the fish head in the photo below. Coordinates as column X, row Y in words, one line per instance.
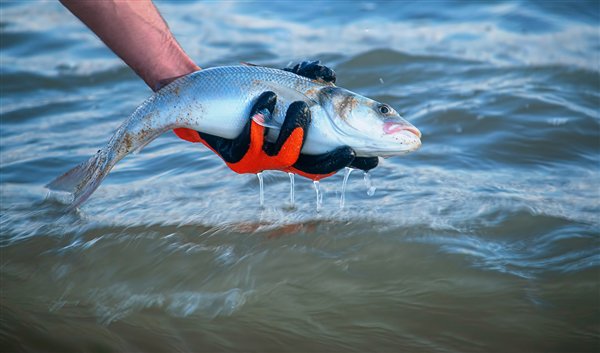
column 371, row 128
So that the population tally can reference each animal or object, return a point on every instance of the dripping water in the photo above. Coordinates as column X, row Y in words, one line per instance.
column 369, row 184
column 319, row 195
column 262, row 191
column 291, row 175
column 347, row 172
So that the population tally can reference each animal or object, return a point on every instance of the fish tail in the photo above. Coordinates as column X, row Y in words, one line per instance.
column 82, row 180
column 145, row 124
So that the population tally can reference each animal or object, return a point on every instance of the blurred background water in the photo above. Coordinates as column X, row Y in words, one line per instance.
column 484, row 240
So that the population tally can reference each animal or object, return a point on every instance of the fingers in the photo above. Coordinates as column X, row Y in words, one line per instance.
column 313, row 70
column 317, row 171
column 261, row 111
column 232, row 151
column 266, row 100
column 250, row 152
column 365, row 163
column 325, row 163
column 297, row 117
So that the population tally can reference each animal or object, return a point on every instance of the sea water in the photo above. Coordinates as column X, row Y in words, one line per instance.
column 484, row 240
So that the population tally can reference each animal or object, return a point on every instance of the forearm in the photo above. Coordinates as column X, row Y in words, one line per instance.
column 136, row 32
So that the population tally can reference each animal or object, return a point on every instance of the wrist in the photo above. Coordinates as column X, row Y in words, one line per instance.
column 171, row 63
column 136, row 32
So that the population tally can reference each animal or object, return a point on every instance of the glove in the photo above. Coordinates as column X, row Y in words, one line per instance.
column 313, row 70
column 251, row 153
column 317, row 167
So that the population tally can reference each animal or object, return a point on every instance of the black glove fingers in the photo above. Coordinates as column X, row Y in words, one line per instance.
column 297, row 116
column 266, row 100
column 232, row 151
column 365, row 163
column 265, row 104
column 313, row 70
column 327, row 162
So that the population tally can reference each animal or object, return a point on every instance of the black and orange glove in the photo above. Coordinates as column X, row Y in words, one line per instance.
column 250, row 152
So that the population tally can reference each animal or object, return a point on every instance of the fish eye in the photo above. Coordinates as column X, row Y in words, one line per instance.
column 385, row 109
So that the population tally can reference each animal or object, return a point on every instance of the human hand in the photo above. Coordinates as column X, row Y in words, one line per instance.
column 251, row 153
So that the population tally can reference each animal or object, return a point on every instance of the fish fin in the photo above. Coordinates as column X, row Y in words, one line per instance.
column 69, row 180
column 323, row 82
column 82, row 180
column 268, row 121
column 288, row 94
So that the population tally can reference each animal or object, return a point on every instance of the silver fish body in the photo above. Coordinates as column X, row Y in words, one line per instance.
column 218, row 101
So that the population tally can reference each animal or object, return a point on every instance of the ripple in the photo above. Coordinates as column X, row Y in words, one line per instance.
column 118, row 302
column 489, row 230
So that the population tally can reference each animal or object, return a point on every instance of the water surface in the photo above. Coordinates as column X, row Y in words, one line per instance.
column 484, row 240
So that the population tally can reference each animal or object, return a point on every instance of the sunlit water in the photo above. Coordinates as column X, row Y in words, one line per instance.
column 486, row 239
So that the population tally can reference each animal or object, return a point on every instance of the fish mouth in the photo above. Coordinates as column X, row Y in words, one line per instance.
column 396, row 143
column 398, row 138
column 391, row 128
column 387, row 152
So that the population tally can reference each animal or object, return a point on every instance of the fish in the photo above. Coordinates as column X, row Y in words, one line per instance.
column 218, row 101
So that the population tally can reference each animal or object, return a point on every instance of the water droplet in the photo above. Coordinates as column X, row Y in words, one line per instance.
column 369, row 183
column 347, row 172
column 319, row 195
column 291, row 175
column 262, row 191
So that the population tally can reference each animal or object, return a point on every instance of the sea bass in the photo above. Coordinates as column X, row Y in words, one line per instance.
column 218, row 100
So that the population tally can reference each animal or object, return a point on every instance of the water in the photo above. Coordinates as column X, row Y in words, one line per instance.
column 484, row 240
column 261, row 189
column 369, row 184
column 292, row 186
column 347, row 172
column 319, row 194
